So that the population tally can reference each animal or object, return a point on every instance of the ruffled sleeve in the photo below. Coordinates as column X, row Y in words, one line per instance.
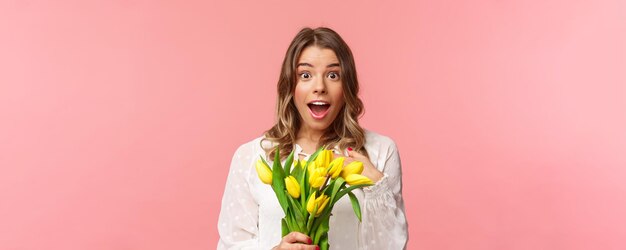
column 237, row 223
column 384, row 223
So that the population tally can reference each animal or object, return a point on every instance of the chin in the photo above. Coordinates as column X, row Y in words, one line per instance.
column 318, row 126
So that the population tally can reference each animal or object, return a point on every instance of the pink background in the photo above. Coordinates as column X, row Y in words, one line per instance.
column 118, row 119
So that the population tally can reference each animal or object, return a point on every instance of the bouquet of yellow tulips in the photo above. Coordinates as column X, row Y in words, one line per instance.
column 308, row 191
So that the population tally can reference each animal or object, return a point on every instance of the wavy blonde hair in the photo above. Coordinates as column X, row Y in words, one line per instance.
column 345, row 130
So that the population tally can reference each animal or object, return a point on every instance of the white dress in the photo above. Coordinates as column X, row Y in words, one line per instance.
column 250, row 214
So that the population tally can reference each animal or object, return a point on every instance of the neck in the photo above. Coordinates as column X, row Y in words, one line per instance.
column 310, row 135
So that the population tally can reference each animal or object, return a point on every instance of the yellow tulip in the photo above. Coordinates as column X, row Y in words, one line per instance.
column 293, row 188
column 320, row 201
column 310, row 204
column 357, row 179
column 335, row 167
column 264, row 172
column 324, row 158
column 310, row 167
column 317, row 177
column 355, row 167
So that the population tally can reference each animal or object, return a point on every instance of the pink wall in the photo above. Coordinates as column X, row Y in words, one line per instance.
column 118, row 119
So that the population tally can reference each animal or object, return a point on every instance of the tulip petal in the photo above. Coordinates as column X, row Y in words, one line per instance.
column 324, row 158
column 264, row 172
column 357, row 179
column 293, row 188
column 335, row 167
column 317, row 178
column 355, row 167
column 310, row 204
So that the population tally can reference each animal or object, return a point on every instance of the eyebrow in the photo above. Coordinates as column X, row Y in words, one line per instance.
column 309, row 65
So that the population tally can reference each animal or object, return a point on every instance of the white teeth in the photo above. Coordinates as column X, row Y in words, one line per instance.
column 319, row 103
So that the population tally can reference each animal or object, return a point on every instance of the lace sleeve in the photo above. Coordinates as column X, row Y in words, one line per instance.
column 384, row 224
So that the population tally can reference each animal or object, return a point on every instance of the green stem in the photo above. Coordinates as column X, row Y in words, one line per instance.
column 325, row 184
column 309, row 224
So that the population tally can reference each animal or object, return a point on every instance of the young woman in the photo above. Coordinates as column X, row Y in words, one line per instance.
column 317, row 105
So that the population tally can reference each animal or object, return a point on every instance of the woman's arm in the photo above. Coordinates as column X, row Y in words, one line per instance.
column 237, row 223
column 384, row 223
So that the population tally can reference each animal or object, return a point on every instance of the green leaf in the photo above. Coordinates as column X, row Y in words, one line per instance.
column 355, row 205
column 293, row 202
column 289, row 221
column 348, row 189
column 322, row 231
column 284, row 227
column 278, row 181
column 339, row 183
column 311, row 222
column 320, row 219
column 324, row 243
column 288, row 162
column 297, row 170
column 297, row 211
column 292, row 224
column 277, row 163
column 304, row 187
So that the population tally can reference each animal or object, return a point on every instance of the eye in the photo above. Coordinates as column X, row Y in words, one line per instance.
column 333, row 75
column 305, row 75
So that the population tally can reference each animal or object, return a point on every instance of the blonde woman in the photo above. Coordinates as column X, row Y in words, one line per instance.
column 317, row 105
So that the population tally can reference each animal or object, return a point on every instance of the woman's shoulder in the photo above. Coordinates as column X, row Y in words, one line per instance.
column 250, row 145
column 374, row 138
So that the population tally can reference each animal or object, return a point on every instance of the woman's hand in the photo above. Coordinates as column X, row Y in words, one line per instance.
column 369, row 170
column 296, row 240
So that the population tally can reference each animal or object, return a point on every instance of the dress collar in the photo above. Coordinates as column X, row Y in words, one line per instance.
column 299, row 152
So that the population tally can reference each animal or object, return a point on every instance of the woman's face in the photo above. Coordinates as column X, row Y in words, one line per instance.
column 319, row 93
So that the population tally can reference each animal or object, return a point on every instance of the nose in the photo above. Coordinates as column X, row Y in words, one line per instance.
column 319, row 86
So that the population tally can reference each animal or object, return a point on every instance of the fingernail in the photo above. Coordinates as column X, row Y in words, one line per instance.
column 349, row 149
column 310, row 241
column 317, row 248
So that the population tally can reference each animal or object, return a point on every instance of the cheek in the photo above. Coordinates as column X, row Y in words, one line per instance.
column 299, row 94
column 338, row 95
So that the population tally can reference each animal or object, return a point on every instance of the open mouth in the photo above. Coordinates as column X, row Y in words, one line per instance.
column 319, row 109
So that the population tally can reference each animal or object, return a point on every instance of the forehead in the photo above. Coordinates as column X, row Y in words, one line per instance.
column 316, row 55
